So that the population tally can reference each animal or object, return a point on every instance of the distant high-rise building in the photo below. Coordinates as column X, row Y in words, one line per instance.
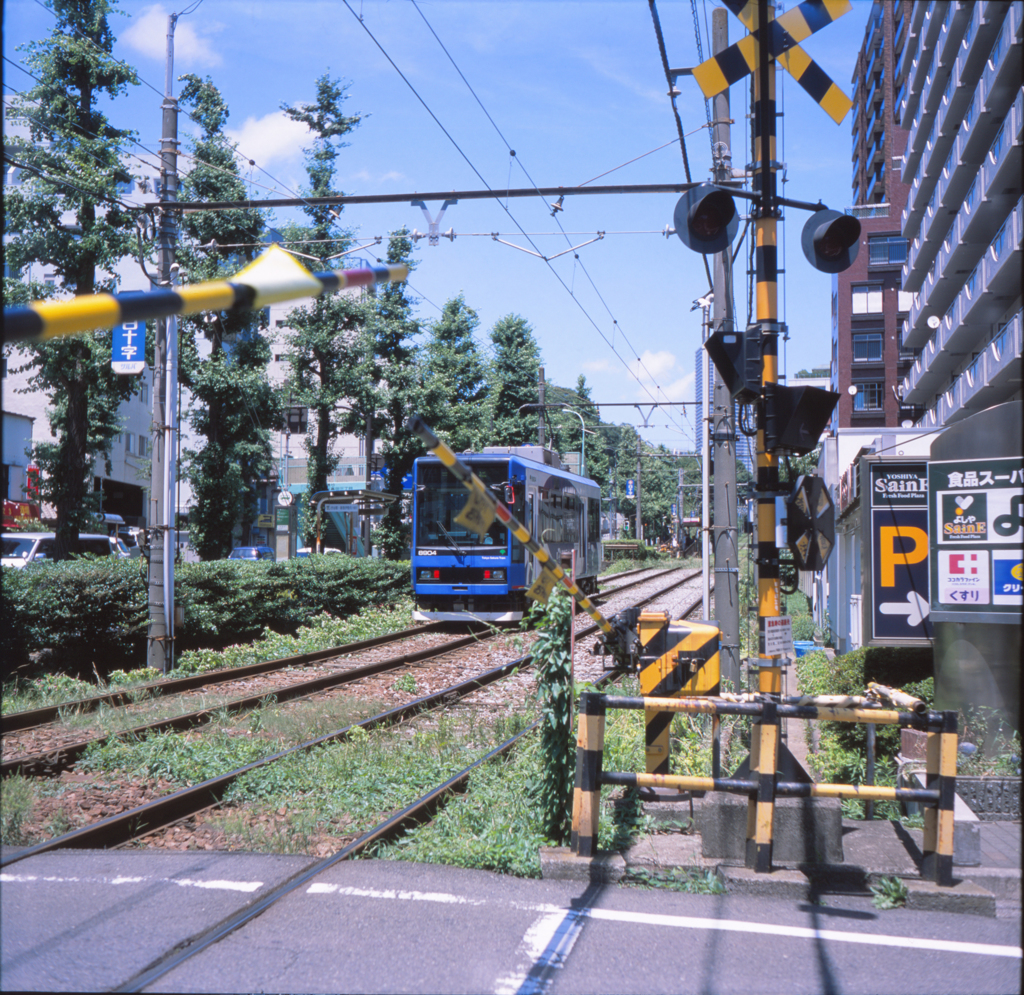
column 868, row 303
column 964, row 216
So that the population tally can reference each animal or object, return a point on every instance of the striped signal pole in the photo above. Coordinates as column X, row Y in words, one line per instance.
column 765, row 740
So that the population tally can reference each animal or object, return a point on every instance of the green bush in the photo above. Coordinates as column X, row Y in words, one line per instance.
column 93, row 613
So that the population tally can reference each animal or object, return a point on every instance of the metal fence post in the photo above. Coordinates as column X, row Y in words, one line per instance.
column 586, row 796
column 938, row 822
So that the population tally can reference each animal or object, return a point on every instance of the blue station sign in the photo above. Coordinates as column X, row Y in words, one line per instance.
column 128, row 348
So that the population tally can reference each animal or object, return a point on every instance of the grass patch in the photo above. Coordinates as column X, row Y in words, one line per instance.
column 17, row 797
column 889, row 893
column 324, row 632
column 693, row 882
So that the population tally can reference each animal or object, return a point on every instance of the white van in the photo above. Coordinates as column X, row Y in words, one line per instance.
column 22, row 548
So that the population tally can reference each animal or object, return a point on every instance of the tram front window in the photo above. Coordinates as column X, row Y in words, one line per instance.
column 439, row 500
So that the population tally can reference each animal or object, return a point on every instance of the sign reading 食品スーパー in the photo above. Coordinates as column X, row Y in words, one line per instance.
column 976, row 522
column 895, row 552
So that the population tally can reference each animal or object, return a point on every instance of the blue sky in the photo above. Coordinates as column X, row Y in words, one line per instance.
column 576, row 88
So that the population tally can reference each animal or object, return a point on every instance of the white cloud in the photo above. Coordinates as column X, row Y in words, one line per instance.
column 597, row 365
column 272, row 138
column 147, row 34
column 654, row 364
column 377, row 179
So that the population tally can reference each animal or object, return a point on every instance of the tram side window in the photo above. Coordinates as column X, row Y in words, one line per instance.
column 594, row 520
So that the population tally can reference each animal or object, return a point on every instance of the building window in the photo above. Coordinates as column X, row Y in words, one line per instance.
column 142, row 445
column 128, row 443
column 867, row 299
column 867, row 347
column 868, row 397
column 144, row 393
column 886, row 250
column 904, row 301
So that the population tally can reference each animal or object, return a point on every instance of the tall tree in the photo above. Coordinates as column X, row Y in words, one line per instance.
column 455, row 377
column 325, row 335
column 396, row 389
column 66, row 215
column 235, row 405
column 514, row 369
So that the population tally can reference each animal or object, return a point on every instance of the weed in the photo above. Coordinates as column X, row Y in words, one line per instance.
column 693, row 882
column 16, row 800
column 915, row 821
column 890, row 893
column 406, row 683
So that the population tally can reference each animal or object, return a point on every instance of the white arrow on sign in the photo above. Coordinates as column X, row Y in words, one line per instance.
column 916, row 609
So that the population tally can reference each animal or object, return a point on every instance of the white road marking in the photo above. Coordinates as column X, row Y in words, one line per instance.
column 805, row 933
column 545, row 947
column 402, row 896
column 552, row 917
column 248, row 886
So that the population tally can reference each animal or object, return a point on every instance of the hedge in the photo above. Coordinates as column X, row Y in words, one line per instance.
column 909, row 668
column 93, row 612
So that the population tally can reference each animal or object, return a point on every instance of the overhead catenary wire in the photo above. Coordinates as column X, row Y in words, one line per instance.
column 496, row 194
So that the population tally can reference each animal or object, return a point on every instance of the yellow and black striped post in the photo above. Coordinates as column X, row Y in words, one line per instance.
column 938, row 822
column 586, row 795
column 764, row 738
column 678, row 659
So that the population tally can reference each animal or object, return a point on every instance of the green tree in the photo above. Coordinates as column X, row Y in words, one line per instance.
column 324, row 336
column 235, row 406
column 513, row 374
column 455, row 377
column 396, row 391
column 66, row 215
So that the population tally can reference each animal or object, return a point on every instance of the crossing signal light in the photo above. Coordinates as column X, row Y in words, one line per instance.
column 706, row 219
column 737, row 357
column 795, row 417
column 811, row 523
column 830, row 241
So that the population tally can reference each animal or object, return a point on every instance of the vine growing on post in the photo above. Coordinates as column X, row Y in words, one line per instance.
column 554, row 669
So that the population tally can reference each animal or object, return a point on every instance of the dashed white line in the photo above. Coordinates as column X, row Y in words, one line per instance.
column 247, row 886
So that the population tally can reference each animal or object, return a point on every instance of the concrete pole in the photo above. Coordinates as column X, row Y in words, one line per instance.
column 540, row 407
column 159, row 652
column 723, row 429
column 639, row 517
column 705, row 472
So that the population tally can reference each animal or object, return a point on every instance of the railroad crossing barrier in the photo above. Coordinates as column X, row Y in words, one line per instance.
column 763, row 786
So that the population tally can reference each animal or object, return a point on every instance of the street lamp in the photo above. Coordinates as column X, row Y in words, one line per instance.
column 583, row 428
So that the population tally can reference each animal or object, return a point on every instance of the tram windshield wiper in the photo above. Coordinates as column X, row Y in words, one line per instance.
column 458, row 549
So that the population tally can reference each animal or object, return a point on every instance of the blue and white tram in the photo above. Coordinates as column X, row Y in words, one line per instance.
column 460, row 576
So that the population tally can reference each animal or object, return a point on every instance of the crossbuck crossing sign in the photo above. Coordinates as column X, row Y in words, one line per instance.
column 128, row 348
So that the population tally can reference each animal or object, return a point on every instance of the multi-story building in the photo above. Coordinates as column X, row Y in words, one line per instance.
column 869, row 358
column 963, row 217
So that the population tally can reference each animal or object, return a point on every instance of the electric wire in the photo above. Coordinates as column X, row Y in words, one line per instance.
column 487, row 185
column 554, row 214
column 662, row 51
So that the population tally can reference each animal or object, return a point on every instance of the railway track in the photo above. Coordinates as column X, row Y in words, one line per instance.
column 158, row 813
column 60, row 753
column 389, row 829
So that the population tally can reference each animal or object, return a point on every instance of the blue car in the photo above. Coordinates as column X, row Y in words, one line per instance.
column 252, row 553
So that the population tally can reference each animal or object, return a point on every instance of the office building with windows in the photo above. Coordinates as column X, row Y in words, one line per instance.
column 869, row 358
column 963, row 213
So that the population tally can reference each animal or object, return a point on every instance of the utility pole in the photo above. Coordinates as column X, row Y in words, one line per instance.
column 367, row 477
column 160, row 637
column 639, row 518
column 705, row 465
column 723, row 428
column 540, row 413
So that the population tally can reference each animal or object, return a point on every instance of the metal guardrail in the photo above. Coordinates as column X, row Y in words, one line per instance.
column 763, row 785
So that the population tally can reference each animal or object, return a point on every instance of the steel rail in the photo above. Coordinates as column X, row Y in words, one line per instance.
column 18, row 721
column 145, row 819
column 420, row 811
column 54, row 761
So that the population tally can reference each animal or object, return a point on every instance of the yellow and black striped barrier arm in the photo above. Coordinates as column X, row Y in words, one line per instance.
column 273, row 277
column 481, row 510
column 784, row 35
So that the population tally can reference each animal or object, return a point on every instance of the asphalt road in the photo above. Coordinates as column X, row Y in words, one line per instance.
column 90, row 921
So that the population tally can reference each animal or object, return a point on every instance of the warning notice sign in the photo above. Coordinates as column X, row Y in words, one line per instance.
column 778, row 636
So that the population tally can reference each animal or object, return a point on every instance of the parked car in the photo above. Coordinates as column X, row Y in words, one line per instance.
column 131, row 542
column 252, row 553
column 308, row 551
column 22, row 548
